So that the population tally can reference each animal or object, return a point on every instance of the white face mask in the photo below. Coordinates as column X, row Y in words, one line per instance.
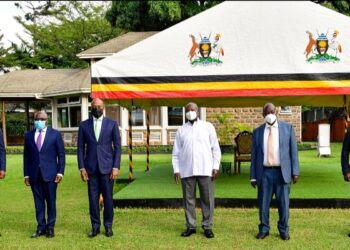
column 270, row 118
column 191, row 115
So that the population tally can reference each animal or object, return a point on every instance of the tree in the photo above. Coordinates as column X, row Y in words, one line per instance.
column 59, row 30
column 342, row 6
column 3, row 53
column 153, row 15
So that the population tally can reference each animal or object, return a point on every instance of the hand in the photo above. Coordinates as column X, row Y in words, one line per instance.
column 253, row 183
column 114, row 174
column 84, row 175
column 177, row 178
column 2, row 174
column 214, row 174
column 347, row 177
column 295, row 179
column 27, row 182
column 58, row 179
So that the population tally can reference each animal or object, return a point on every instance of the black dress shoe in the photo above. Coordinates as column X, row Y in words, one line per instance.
column 208, row 233
column 188, row 232
column 37, row 234
column 94, row 233
column 50, row 233
column 261, row 235
column 285, row 236
column 109, row 232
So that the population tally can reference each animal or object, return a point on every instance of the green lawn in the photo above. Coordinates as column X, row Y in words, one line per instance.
column 320, row 177
column 160, row 228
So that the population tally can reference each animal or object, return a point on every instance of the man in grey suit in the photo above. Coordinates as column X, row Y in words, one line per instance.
column 274, row 165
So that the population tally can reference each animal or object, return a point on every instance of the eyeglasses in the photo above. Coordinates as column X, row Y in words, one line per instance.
column 40, row 119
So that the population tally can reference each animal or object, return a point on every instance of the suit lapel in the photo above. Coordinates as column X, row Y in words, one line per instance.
column 32, row 139
column 47, row 134
column 91, row 127
column 261, row 137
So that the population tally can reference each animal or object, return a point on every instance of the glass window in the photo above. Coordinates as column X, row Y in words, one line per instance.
column 61, row 100
column 175, row 116
column 137, row 116
column 113, row 112
column 68, row 112
column 75, row 116
column 286, row 109
column 154, row 116
column 62, row 119
column 74, row 99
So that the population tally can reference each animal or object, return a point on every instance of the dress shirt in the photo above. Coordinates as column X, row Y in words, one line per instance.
column 43, row 134
column 275, row 143
column 196, row 150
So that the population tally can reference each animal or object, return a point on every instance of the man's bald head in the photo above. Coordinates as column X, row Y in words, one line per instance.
column 269, row 108
column 97, row 103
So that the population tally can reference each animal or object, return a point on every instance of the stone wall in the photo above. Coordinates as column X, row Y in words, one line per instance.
column 251, row 117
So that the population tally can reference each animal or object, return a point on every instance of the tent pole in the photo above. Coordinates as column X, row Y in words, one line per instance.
column 147, row 140
column 131, row 165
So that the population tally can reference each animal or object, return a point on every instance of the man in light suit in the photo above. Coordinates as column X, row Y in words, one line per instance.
column 44, row 162
column 99, row 155
column 274, row 165
column 2, row 158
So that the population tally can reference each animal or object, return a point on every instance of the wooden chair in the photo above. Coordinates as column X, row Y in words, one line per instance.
column 242, row 151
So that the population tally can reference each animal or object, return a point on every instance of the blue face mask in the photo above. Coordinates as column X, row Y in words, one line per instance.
column 39, row 124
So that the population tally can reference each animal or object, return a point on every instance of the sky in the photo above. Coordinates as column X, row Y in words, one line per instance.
column 8, row 25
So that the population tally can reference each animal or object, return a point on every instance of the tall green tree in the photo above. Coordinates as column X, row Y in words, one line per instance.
column 153, row 15
column 342, row 6
column 59, row 30
column 3, row 53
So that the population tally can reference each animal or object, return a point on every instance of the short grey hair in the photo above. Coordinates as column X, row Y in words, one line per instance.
column 193, row 104
column 40, row 112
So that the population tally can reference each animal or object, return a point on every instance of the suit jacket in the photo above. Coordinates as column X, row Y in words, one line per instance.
column 288, row 152
column 103, row 154
column 50, row 161
column 2, row 153
column 345, row 153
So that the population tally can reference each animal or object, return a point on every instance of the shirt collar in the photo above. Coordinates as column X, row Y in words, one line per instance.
column 100, row 118
column 275, row 125
column 43, row 130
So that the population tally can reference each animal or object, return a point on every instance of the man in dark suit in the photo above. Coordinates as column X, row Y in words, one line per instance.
column 345, row 157
column 274, row 164
column 2, row 158
column 44, row 162
column 99, row 155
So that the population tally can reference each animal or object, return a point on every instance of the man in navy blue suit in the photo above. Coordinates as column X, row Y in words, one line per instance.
column 44, row 163
column 2, row 158
column 99, row 155
column 274, row 165
column 345, row 157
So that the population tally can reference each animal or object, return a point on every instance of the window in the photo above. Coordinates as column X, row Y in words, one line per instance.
column 154, row 116
column 175, row 116
column 137, row 116
column 68, row 112
column 113, row 112
column 286, row 110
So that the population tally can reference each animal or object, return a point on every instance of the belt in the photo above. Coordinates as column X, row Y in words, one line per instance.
column 272, row 166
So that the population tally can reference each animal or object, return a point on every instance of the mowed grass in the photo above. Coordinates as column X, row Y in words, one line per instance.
column 320, row 177
column 160, row 228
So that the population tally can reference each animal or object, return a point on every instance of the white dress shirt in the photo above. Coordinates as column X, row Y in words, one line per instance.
column 196, row 150
column 275, row 143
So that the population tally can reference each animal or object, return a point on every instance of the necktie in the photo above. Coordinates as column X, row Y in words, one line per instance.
column 270, row 147
column 97, row 129
column 38, row 140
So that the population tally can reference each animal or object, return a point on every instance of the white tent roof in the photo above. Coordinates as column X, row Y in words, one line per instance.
column 260, row 56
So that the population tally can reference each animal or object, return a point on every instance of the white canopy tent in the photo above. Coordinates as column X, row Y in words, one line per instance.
column 240, row 53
